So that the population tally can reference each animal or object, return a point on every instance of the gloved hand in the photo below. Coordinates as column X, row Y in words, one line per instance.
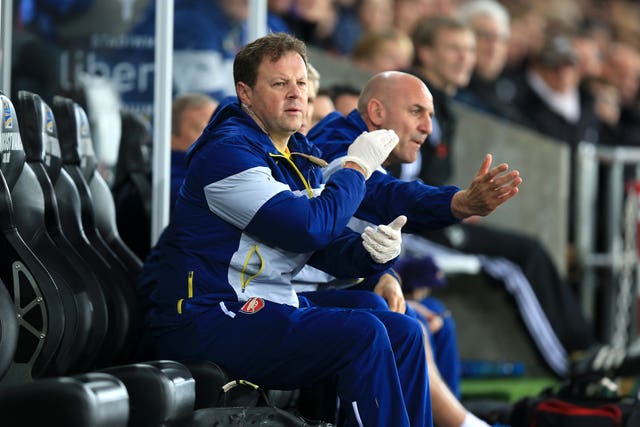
column 383, row 243
column 370, row 149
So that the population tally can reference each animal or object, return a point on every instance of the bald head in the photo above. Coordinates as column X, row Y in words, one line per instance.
column 387, row 85
column 402, row 102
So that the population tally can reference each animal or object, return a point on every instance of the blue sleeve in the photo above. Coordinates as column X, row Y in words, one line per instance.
column 299, row 224
column 426, row 207
column 240, row 188
column 345, row 257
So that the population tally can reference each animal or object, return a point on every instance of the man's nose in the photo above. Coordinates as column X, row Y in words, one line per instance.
column 295, row 91
column 426, row 125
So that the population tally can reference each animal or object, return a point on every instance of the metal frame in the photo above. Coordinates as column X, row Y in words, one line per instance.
column 615, row 267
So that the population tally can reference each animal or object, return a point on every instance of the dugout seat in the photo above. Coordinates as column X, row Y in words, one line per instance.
column 132, row 183
column 104, row 205
column 93, row 399
column 40, row 141
column 161, row 393
column 75, row 140
column 45, row 305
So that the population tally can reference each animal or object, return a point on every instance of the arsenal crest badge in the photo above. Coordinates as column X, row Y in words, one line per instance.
column 253, row 305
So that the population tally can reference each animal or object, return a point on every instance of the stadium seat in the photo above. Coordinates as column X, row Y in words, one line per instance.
column 93, row 399
column 44, row 305
column 75, row 140
column 40, row 142
column 103, row 200
column 161, row 393
column 132, row 183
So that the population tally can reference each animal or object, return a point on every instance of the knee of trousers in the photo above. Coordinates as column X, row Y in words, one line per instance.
column 366, row 329
column 400, row 326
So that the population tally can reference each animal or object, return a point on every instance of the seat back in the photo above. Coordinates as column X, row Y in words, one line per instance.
column 104, row 206
column 123, row 325
column 132, row 184
column 40, row 141
column 42, row 304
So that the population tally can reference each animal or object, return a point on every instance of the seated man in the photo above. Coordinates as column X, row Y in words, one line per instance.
column 427, row 207
column 253, row 210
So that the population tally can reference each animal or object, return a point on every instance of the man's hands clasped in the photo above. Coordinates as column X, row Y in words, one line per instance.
column 370, row 149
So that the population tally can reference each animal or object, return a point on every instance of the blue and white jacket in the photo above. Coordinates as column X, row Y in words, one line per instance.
column 426, row 207
column 247, row 219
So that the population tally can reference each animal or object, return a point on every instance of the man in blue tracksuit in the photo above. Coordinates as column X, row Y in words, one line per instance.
column 253, row 210
column 402, row 102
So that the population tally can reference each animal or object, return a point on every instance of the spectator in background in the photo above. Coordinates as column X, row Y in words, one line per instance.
column 322, row 106
column 444, row 59
column 556, row 104
column 190, row 114
column 313, row 21
column 552, row 98
column 344, row 97
column 379, row 51
column 621, row 67
column 313, row 86
column 35, row 56
column 359, row 19
column 207, row 35
column 488, row 90
column 407, row 13
column 527, row 35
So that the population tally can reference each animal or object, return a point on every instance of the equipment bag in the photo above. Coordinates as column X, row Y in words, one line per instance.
column 562, row 412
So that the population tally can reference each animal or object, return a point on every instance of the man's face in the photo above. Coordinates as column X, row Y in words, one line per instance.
column 279, row 97
column 492, row 46
column 564, row 78
column 408, row 112
column 307, row 119
column 194, row 120
column 322, row 106
column 453, row 57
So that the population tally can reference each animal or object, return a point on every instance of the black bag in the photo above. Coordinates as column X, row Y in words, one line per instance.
column 566, row 408
column 223, row 402
column 246, row 404
column 263, row 416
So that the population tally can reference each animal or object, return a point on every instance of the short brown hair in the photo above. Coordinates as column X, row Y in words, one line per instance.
column 273, row 46
column 427, row 30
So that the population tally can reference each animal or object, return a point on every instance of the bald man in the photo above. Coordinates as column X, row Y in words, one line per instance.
column 402, row 102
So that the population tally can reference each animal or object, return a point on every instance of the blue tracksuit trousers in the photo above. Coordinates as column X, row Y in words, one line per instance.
column 376, row 357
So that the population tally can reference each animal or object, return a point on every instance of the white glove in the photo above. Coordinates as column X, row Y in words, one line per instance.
column 370, row 149
column 383, row 243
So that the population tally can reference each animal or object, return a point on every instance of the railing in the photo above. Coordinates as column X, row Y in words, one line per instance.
column 606, row 243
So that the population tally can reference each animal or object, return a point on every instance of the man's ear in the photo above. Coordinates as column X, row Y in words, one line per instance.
column 244, row 93
column 376, row 112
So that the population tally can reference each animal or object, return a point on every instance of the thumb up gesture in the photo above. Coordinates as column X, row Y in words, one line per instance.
column 384, row 242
